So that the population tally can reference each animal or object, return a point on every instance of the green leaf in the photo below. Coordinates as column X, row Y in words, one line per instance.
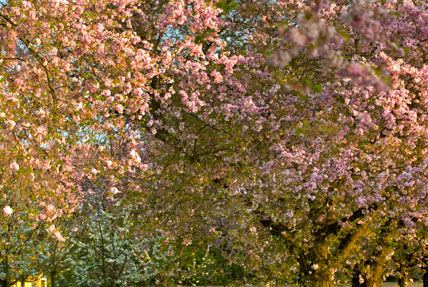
column 317, row 88
column 305, row 124
column 344, row 34
column 226, row 6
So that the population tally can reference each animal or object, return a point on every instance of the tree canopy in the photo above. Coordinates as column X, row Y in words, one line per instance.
column 288, row 138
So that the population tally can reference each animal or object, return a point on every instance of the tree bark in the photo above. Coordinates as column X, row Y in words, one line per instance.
column 7, row 274
column 425, row 280
column 53, row 279
column 376, row 279
column 377, row 271
column 322, row 278
column 347, row 244
column 375, row 282
column 378, row 267
column 356, row 277
column 323, row 283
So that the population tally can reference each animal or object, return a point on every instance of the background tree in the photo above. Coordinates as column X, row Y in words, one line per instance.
column 18, row 242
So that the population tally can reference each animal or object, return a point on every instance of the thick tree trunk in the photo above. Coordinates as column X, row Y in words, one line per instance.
column 356, row 280
column 376, row 279
column 323, row 283
column 425, row 280
column 320, row 276
column 378, row 268
column 53, row 279
column 7, row 274
column 374, row 283
column 356, row 277
column 322, row 279
column 22, row 282
column 324, row 256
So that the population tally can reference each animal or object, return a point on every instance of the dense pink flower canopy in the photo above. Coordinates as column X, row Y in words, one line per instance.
column 306, row 120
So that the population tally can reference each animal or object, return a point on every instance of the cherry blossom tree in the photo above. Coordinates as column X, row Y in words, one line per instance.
column 332, row 138
column 291, row 129
column 374, row 59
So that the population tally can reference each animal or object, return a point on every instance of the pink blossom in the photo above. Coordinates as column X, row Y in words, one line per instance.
column 114, row 190
column 14, row 166
column 119, row 108
column 315, row 266
column 7, row 210
column 41, row 217
column 11, row 123
column 50, row 209
column 52, row 228
column 26, row 5
column 109, row 163
column 218, row 78
column 58, row 236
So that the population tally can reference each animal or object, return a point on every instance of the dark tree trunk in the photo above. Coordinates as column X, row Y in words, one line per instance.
column 425, row 280
column 7, row 275
column 322, row 279
column 403, row 281
column 356, row 277
column 53, row 279
column 376, row 279
column 377, row 270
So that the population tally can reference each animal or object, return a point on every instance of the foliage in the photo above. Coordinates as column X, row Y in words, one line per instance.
column 284, row 135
